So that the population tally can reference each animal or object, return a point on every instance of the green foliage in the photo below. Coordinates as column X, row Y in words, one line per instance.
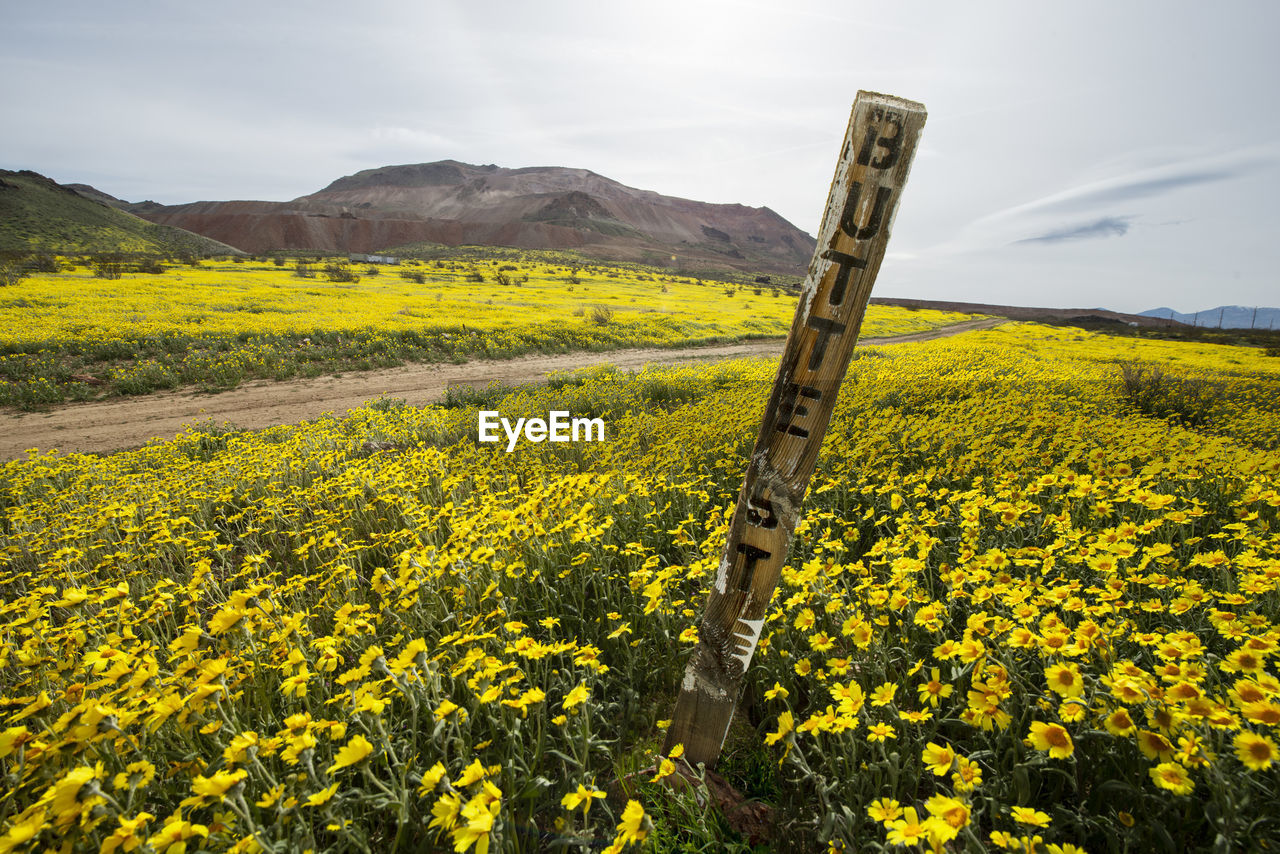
column 11, row 272
column 340, row 271
column 108, row 267
column 687, row 821
column 43, row 262
column 1157, row 392
column 462, row 395
column 152, row 266
column 37, row 214
column 145, row 378
column 386, row 404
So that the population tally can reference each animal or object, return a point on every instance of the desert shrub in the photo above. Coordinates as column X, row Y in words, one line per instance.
column 474, row 275
column 386, row 404
column 279, row 262
column 303, row 270
column 151, row 266
column 42, row 262
column 601, row 315
column 1156, row 392
column 143, row 378
column 461, row 395
column 11, row 273
column 340, row 271
column 416, row 276
column 108, row 268
column 1273, row 352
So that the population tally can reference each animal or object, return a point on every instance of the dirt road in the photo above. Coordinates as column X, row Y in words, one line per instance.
column 130, row 422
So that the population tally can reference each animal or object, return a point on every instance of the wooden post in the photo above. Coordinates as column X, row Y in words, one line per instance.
column 878, row 149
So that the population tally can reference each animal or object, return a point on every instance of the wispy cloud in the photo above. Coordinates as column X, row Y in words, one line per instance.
column 1142, row 184
column 1107, row 226
column 1124, row 188
column 1108, row 207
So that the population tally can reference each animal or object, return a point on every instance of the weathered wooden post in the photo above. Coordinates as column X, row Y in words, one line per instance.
column 878, row 148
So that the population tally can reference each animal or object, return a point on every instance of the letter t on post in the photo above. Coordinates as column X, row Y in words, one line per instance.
column 878, row 149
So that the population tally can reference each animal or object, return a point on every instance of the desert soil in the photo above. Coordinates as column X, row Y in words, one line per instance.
column 118, row 423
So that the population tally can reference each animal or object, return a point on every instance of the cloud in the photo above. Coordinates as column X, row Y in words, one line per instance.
column 1128, row 188
column 1143, row 184
column 1087, row 210
column 1108, row 226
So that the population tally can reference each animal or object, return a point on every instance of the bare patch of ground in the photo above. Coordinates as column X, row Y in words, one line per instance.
column 104, row 426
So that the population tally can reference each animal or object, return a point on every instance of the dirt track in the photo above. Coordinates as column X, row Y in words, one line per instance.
column 131, row 422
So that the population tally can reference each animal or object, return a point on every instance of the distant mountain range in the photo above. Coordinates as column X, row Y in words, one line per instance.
column 453, row 203
column 1224, row 316
column 1091, row 317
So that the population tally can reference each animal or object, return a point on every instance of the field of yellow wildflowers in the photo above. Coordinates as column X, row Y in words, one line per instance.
column 1020, row 613
column 70, row 335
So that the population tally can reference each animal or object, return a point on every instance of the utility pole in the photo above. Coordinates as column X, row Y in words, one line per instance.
column 874, row 161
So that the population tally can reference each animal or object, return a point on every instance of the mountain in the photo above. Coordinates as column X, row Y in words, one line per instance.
column 37, row 214
column 96, row 195
column 457, row 203
column 1089, row 317
column 1224, row 316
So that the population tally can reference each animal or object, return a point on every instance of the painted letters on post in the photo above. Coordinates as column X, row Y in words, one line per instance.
column 878, row 149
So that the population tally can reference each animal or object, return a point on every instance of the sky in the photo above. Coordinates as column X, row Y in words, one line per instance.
column 1122, row 155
